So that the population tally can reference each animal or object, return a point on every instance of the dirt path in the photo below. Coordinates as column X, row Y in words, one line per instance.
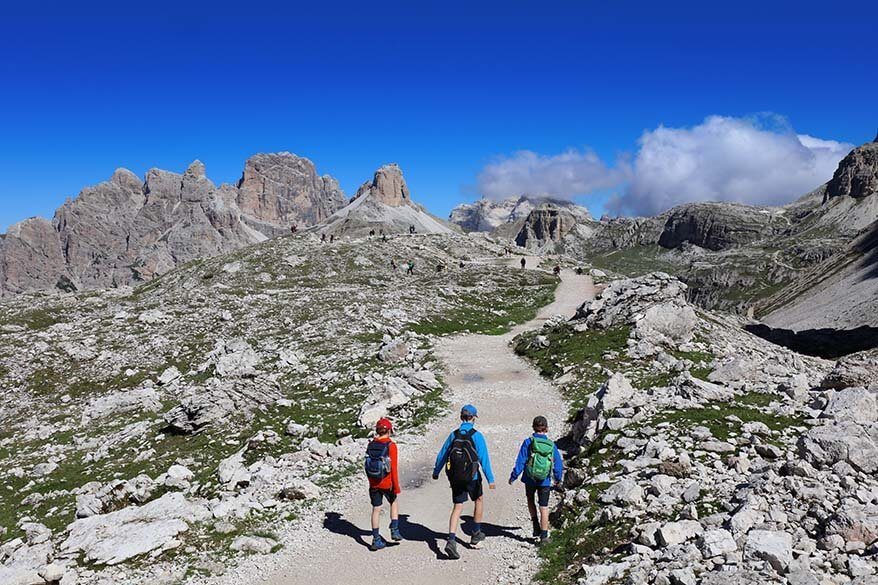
column 483, row 370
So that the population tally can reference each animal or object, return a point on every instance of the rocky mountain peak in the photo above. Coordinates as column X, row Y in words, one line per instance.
column 387, row 186
column 196, row 169
column 857, row 173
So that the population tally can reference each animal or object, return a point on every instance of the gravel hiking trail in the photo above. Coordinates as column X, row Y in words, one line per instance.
column 483, row 370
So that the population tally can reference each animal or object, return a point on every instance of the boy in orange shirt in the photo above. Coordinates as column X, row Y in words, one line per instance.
column 383, row 473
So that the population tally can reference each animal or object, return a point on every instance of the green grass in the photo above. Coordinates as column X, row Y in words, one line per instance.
column 713, row 416
column 35, row 319
column 480, row 314
column 568, row 347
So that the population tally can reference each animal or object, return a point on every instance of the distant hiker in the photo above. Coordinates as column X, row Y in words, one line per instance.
column 294, row 228
column 383, row 473
column 322, row 237
column 539, row 463
column 579, row 270
column 557, row 270
column 411, row 229
column 371, row 233
column 393, row 264
column 410, row 267
column 465, row 457
column 331, row 238
column 523, row 262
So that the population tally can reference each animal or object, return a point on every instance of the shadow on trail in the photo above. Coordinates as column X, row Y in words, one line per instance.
column 412, row 531
column 492, row 530
column 337, row 524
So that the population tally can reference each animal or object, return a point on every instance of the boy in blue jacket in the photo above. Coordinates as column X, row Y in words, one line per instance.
column 539, row 463
column 465, row 457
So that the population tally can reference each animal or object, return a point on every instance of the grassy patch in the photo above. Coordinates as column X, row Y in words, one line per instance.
column 714, row 415
column 35, row 319
column 476, row 313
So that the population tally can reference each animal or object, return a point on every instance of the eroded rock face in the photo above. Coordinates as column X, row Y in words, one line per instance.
column 546, row 223
column 31, row 257
column 387, row 187
column 282, row 189
column 125, row 230
column 857, row 173
column 715, row 226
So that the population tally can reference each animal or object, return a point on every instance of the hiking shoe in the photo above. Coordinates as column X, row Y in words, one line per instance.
column 377, row 543
column 451, row 550
column 537, row 530
column 395, row 535
column 476, row 539
column 543, row 540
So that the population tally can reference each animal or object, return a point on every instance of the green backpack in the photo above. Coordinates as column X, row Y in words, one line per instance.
column 539, row 461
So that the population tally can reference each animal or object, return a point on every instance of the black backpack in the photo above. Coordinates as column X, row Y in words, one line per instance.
column 378, row 459
column 462, row 463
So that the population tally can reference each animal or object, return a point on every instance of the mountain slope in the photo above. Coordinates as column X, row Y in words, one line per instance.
column 125, row 230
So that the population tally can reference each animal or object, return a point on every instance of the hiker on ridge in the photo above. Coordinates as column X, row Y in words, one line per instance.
column 523, row 262
column 465, row 457
column 539, row 464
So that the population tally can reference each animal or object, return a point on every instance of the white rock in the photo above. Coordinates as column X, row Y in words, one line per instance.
column 254, row 544
column 118, row 536
column 716, row 542
column 679, row 532
column 773, row 546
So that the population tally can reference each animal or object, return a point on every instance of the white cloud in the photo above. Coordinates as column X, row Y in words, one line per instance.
column 759, row 161
column 563, row 175
column 726, row 159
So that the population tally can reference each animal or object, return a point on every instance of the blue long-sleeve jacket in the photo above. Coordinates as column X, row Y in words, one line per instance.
column 481, row 451
column 521, row 462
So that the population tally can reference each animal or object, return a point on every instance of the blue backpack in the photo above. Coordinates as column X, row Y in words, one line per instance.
column 378, row 459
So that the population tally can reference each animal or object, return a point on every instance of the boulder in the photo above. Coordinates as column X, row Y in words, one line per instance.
column 853, row 404
column 673, row 533
column 113, row 538
column 773, row 546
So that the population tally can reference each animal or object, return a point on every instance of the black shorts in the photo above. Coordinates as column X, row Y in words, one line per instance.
column 461, row 491
column 377, row 495
column 542, row 493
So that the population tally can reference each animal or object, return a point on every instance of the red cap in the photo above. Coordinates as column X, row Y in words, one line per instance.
column 384, row 424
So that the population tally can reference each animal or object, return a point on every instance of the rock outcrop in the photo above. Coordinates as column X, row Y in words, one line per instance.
column 715, row 226
column 383, row 206
column 547, row 223
column 125, row 230
column 277, row 190
column 857, row 174
column 387, row 186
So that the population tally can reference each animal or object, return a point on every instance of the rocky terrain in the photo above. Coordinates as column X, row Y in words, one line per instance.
column 154, row 433
column 125, row 230
column 701, row 454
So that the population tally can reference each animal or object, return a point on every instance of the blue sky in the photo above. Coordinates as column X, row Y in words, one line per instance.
column 443, row 89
